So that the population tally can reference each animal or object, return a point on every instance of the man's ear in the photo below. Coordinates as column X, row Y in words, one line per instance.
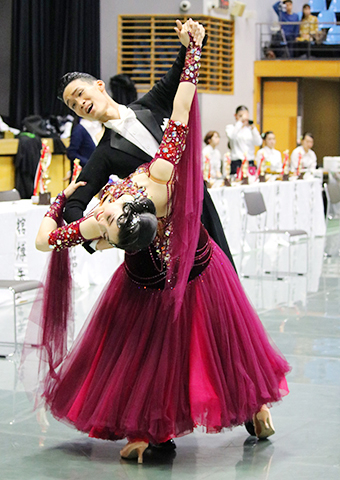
column 101, row 85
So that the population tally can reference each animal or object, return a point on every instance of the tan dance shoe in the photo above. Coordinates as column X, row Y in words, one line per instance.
column 263, row 423
column 134, row 450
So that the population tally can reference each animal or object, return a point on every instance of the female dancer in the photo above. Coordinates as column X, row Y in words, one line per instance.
column 173, row 342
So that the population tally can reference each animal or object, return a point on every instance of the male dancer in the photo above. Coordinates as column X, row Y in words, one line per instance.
column 131, row 137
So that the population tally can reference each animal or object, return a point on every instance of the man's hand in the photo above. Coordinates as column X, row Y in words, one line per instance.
column 196, row 29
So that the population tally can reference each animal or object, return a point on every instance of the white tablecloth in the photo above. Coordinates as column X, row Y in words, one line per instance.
column 19, row 258
column 290, row 205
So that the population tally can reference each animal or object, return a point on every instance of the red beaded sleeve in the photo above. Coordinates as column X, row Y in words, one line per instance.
column 66, row 236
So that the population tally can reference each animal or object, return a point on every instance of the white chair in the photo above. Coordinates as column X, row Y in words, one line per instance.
column 255, row 207
column 16, row 287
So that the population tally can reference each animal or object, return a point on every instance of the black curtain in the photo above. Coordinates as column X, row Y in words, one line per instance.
column 50, row 38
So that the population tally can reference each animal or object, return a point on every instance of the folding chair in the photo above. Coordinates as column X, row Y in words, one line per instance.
column 9, row 195
column 16, row 287
column 255, row 206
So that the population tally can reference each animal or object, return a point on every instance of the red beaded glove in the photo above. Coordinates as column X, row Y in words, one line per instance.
column 173, row 142
column 66, row 236
column 56, row 209
column 191, row 65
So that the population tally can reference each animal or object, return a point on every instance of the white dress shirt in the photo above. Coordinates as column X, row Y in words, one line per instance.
column 243, row 140
column 308, row 160
column 93, row 128
column 129, row 127
column 214, row 157
column 272, row 158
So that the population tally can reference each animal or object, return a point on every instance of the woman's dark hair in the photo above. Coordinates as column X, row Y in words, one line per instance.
column 265, row 134
column 69, row 77
column 137, row 225
column 306, row 5
column 307, row 134
column 209, row 136
column 241, row 108
column 123, row 89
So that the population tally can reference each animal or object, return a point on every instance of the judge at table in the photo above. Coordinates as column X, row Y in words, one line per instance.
column 305, row 152
column 272, row 157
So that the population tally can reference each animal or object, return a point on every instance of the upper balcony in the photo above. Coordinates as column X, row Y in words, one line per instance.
column 276, row 41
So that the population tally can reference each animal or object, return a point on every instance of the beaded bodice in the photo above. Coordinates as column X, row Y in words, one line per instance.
column 117, row 188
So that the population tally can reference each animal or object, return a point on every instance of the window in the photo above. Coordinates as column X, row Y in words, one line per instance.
column 148, row 45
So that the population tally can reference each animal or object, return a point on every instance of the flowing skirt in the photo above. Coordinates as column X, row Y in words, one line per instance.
column 136, row 372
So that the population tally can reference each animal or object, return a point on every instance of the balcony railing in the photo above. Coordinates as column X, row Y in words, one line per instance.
column 274, row 41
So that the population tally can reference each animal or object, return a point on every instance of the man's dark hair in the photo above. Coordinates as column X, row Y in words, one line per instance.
column 69, row 77
column 287, row 1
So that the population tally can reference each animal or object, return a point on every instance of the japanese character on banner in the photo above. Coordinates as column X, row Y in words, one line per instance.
column 21, row 273
column 21, row 226
column 21, row 252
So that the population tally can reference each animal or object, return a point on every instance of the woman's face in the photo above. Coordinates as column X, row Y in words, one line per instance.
column 270, row 140
column 307, row 143
column 107, row 215
column 306, row 11
column 215, row 140
column 242, row 115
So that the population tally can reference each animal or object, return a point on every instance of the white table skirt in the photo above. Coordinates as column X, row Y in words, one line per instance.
column 290, row 205
column 19, row 258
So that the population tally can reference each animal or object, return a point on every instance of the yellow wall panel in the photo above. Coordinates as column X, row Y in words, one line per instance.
column 280, row 102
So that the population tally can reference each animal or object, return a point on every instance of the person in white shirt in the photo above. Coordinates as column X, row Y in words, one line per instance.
column 243, row 138
column 212, row 155
column 308, row 157
column 272, row 157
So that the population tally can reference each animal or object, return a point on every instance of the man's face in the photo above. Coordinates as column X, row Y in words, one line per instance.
column 307, row 143
column 87, row 100
column 289, row 8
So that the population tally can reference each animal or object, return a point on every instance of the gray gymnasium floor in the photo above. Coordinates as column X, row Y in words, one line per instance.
column 302, row 315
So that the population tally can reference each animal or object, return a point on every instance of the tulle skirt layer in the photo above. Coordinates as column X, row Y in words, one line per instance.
column 135, row 372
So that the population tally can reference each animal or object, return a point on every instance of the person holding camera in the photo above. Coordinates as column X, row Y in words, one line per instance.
column 243, row 137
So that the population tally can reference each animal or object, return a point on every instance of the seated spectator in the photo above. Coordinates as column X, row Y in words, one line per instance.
column 308, row 25
column 243, row 137
column 212, row 156
column 305, row 152
column 85, row 136
column 272, row 157
column 285, row 13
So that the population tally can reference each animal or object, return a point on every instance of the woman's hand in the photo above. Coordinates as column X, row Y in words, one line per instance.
column 196, row 29
column 72, row 187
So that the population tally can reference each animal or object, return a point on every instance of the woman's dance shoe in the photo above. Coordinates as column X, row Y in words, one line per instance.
column 134, row 450
column 263, row 423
